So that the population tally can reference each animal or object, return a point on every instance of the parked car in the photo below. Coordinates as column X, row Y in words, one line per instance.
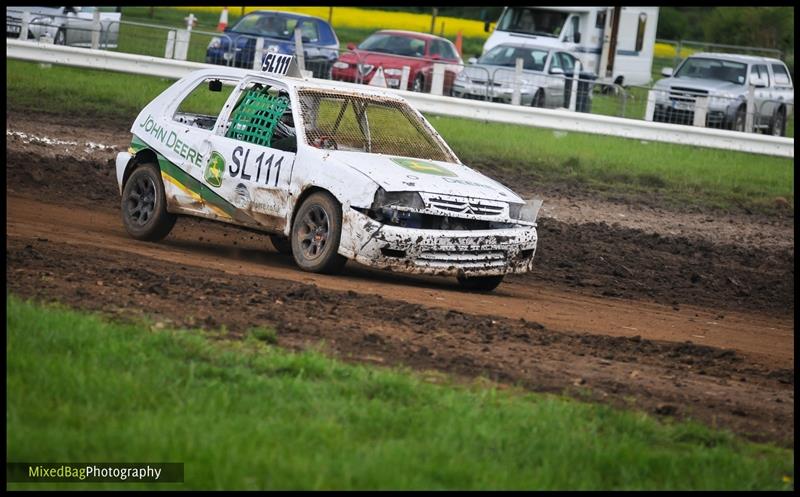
column 725, row 79
column 332, row 173
column 237, row 46
column 544, row 83
column 392, row 49
column 64, row 25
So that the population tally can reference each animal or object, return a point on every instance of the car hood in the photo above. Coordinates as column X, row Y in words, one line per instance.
column 711, row 85
column 396, row 173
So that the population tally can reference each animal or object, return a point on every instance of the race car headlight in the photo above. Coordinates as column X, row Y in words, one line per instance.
column 214, row 43
column 384, row 199
column 528, row 211
column 273, row 48
column 341, row 65
column 461, row 76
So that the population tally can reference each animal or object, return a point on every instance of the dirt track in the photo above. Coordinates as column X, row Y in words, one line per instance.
column 676, row 325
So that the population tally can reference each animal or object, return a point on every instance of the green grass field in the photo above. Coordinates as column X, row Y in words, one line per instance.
column 692, row 175
column 243, row 414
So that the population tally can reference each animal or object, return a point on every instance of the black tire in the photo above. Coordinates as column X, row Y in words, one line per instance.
column 61, row 37
column 144, row 205
column 282, row 244
column 480, row 283
column 316, row 233
column 419, row 84
column 538, row 99
column 778, row 125
column 739, row 119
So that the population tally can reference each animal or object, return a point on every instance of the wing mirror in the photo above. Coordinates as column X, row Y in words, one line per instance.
column 666, row 71
column 556, row 70
column 215, row 85
column 472, row 60
column 576, row 38
column 758, row 81
column 351, row 46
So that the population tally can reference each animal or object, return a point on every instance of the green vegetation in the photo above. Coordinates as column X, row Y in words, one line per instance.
column 242, row 414
column 702, row 177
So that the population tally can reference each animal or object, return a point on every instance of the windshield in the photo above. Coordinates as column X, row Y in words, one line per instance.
column 532, row 21
column 364, row 123
column 271, row 25
column 393, row 44
column 504, row 55
column 721, row 70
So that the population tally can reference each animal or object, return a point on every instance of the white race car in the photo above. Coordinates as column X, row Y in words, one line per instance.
column 331, row 171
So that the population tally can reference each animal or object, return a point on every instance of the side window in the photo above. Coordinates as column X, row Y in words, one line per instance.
column 640, row 31
column 436, row 48
column 601, row 20
column 309, row 30
column 567, row 62
column 762, row 72
column 576, row 29
column 201, row 107
column 262, row 116
column 449, row 51
column 781, row 76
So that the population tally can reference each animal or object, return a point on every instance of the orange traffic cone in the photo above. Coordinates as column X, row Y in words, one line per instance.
column 458, row 43
column 223, row 19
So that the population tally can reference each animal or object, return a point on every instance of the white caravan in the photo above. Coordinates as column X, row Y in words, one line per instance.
column 617, row 48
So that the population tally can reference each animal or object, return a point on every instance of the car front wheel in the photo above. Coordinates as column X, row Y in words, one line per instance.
column 316, row 233
column 144, row 205
column 778, row 126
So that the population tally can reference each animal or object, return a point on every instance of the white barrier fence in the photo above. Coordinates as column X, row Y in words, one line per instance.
column 541, row 118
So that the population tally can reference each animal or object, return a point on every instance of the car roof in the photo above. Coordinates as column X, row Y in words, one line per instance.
column 746, row 59
column 301, row 83
column 525, row 45
column 412, row 34
column 293, row 15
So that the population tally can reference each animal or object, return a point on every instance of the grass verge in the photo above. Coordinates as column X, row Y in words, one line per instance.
column 243, row 414
column 689, row 175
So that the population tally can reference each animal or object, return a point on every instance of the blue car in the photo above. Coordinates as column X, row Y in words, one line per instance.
column 237, row 45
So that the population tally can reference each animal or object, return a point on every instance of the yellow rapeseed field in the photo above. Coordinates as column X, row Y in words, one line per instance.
column 665, row 50
column 353, row 17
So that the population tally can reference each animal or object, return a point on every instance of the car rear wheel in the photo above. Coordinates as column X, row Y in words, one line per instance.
column 144, row 205
column 281, row 244
column 739, row 119
column 538, row 99
column 419, row 84
column 480, row 283
column 778, row 126
column 61, row 37
column 316, row 233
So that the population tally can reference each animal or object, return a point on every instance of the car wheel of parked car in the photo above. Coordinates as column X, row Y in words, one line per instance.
column 419, row 84
column 144, row 205
column 480, row 283
column 281, row 244
column 538, row 99
column 316, row 233
column 739, row 119
column 61, row 37
column 778, row 125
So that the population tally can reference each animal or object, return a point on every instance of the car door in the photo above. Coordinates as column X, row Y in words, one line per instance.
column 554, row 89
column 243, row 165
column 763, row 98
column 782, row 88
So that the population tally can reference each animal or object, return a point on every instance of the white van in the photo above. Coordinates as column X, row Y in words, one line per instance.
column 617, row 48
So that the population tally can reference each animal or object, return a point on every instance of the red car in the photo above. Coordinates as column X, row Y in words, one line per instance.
column 392, row 50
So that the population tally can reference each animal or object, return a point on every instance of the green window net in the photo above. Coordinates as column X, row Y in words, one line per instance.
column 254, row 119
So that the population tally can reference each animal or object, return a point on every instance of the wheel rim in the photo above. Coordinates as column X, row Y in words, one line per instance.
column 776, row 131
column 59, row 38
column 739, row 125
column 142, row 201
column 314, row 232
column 417, row 84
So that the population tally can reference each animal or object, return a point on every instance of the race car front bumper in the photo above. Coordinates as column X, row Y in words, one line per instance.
column 437, row 252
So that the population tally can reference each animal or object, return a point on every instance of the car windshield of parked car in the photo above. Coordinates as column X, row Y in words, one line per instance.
column 533, row 59
column 393, row 44
column 720, row 70
column 532, row 21
column 365, row 123
column 270, row 25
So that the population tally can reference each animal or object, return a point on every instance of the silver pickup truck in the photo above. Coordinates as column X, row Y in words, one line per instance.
column 725, row 80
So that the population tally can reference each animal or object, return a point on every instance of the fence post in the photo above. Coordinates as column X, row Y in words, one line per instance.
column 677, row 54
column 298, row 49
column 182, row 43
column 258, row 54
column 437, row 84
column 700, row 111
column 651, row 105
column 748, row 120
column 23, row 30
column 96, row 27
column 573, row 94
column 516, row 96
column 169, row 51
column 404, row 77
